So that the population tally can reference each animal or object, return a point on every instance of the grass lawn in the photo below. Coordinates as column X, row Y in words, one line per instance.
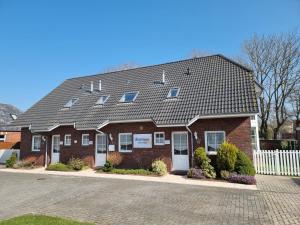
column 40, row 220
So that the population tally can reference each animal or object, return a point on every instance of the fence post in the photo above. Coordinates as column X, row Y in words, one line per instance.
column 277, row 166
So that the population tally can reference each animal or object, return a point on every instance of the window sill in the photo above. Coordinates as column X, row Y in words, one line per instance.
column 211, row 153
column 128, row 151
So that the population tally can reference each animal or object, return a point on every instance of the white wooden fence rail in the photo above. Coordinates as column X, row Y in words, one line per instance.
column 277, row 162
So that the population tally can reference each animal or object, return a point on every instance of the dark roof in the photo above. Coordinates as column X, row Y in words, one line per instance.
column 215, row 86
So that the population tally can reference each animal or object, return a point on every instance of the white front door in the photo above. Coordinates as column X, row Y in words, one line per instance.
column 180, row 150
column 101, row 149
column 55, row 149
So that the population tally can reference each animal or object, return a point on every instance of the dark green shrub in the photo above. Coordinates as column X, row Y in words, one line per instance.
column 203, row 162
column 226, row 156
column 76, row 164
column 11, row 161
column 108, row 166
column 244, row 165
column 224, row 174
column 58, row 167
column 159, row 167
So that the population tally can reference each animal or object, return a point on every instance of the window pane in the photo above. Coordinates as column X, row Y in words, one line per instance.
column 219, row 138
column 125, row 142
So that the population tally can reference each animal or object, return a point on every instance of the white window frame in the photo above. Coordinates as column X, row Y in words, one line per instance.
column 3, row 139
column 65, row 142
column 155, row 141
column 122, row 99
column 129, row 150
column 32, row 143
column 102, row 103
column 82, row 136
column 170, row 91
column 206, row 140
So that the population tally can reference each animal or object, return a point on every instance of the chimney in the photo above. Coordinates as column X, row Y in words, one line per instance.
column 92, row 86
column 100, row 85
column 163, row 77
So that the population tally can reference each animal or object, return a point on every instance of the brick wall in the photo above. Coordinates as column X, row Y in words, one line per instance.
column 11, row 136
column 237, row 131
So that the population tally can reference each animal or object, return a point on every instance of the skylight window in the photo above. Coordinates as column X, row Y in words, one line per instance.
column 173, row 93
column 129, row 97
column 102, row 100
column 71, row 102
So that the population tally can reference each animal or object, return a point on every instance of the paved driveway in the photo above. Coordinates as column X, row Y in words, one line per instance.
column 108, row 201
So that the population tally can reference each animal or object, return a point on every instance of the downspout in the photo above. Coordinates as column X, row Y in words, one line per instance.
column 46, row 154
column 192, row 144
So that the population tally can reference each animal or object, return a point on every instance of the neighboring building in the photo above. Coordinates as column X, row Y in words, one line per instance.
column 163, row 111
column 10, row 136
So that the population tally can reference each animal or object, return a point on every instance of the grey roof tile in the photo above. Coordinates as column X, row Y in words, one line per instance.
column 215, row 86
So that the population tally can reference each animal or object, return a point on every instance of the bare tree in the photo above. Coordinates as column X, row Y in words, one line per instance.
column 275, row 60
column 126, row 66
column 295, row 105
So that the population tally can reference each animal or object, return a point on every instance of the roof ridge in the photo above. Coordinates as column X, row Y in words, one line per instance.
column 142, row 67
column 235, row 63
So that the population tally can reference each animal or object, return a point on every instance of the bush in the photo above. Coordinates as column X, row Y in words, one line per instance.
column 224, row 174
column 75, row 164
column 159, row 167
column 284, row 145
column 132, row 171
column 241, row 179
column 200, row 156
column 108, row 166
column 244, row 165
column 11, row 161
column 115, row 158
column 203, row 162
column 58, row 167
column 23, row 164
column 226, row 156
column 195, row 173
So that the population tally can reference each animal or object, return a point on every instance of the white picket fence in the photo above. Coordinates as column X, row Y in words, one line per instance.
column 277, row 162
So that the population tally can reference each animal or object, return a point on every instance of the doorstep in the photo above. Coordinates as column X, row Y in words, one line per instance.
column 169, row 178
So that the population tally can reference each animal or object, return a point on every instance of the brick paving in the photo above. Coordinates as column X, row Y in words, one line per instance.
column 113, row 201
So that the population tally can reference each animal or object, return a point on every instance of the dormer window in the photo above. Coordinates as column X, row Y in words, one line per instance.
column 71, row 102
column 129, row 97
column 102, row 100
column 174, row 92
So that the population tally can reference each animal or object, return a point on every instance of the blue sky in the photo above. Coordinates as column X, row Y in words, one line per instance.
column 43, row 42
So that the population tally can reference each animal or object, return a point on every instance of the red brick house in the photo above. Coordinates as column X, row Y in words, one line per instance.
column 162, row 111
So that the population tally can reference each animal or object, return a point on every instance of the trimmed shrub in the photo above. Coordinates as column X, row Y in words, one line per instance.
column 203, row 162
column 159, row 167
column 76, row 164
column 108, row 166
column 224, row 174
column 243, row 164
column 115, row 158
column 195, row 173
column 226, row 156
column 241, row 179
column 58, row 167
column 9, row 163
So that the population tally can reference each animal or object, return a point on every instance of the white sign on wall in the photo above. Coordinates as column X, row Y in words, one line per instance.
column 142, row 140
column 111, row 148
